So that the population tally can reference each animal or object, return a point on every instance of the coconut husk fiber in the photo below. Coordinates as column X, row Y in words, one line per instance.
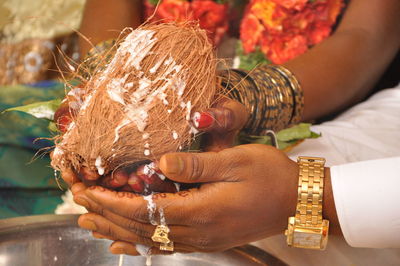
column 139, row 105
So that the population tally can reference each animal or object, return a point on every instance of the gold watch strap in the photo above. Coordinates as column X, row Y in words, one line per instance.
column 310, row 191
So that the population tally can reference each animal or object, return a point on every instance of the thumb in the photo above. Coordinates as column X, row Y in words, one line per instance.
column 228, row 117
column 196, row 167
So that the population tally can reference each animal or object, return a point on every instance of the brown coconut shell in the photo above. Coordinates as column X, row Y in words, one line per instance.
column 138, row 106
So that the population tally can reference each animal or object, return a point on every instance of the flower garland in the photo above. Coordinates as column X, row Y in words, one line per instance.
column 270, row 31
column 284, row 29
column 212, row 15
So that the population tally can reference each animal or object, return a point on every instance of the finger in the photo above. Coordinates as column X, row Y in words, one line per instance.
column 135, row 183
column 222, row 122
column 63, row 117
column 142, row 229
column 183, row 209
column 101, row 236
column 153, row 179
column 105, row 227
column 116, row 179
column 88, row 175
column 99, row 224
column 123, row 247
column 78, row 187
column 202, row 167
column 69, row 176
column 228, row 115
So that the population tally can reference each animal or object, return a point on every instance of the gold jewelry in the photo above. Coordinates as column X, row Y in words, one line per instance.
column 167, row 246
column 160, row 235
column 270, row 93
column 297, row 93
column 307, row 229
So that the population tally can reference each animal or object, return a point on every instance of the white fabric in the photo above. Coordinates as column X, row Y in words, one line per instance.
column 367, row 199
column 368, row 131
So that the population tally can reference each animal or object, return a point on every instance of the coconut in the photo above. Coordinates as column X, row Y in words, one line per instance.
column 138, row 106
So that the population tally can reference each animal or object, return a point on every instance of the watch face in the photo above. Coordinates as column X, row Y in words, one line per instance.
column 306, row 239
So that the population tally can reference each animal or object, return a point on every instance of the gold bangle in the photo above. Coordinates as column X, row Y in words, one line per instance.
column 298, row 96
column 271, row 94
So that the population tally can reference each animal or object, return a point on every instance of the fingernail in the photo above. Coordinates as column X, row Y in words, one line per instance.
column 89, row 225
column 202, row 120
column 117, row 249
column 81, row 201
column 173, row 164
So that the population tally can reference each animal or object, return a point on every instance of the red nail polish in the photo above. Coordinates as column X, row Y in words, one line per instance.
column 135, row 183
column 202, row 120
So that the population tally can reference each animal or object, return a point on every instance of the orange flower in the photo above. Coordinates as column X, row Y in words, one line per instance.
column 285, row 29
column 250, row 33
column 319, row 32
column 264, row 10
column 292, row 4
column 281, row 49
column 212, row 17
column 334, row 9
column 174, row 10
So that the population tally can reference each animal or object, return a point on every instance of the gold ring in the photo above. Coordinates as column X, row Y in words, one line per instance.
column 160, row 235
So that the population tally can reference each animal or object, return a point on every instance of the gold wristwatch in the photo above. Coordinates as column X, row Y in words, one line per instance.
column 307, row 229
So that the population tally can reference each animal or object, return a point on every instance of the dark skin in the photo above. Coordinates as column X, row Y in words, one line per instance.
column 107, row 24
column 350, row 62
column 249, row 191
column 250, row 206
column 238, row 178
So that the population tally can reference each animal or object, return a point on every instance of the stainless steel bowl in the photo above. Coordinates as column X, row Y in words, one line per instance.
column 47, row 240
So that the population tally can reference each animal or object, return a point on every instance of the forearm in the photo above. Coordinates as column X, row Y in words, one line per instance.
column 104, row 19
column 342, row 70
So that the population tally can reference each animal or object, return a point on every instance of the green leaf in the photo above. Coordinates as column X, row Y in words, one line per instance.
column 300, row 131
column 39, row 110
column 52, row 127
column 153, row 2
column 251, row 60
column 286, row 137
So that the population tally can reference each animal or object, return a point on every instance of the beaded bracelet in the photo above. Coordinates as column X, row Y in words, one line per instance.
column 97, row 58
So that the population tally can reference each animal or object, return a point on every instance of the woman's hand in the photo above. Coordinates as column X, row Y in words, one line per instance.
column 221, row 123
column 248, row 193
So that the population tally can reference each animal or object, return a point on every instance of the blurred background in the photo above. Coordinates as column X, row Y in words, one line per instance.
column 34, row 38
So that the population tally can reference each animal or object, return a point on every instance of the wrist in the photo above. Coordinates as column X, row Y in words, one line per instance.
column 329, row 209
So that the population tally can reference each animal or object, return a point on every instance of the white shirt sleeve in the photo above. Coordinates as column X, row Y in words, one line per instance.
column 367, row 199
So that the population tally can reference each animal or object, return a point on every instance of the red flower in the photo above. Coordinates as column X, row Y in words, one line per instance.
column 292, row 4
column 212, row 17
column 319, row 32
column 285, row 29
column 250, row 32
column 174, row 10
column 334, row 8
column 280, row 49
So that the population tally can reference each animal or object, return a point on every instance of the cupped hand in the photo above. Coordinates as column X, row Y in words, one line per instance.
column 248, row 193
